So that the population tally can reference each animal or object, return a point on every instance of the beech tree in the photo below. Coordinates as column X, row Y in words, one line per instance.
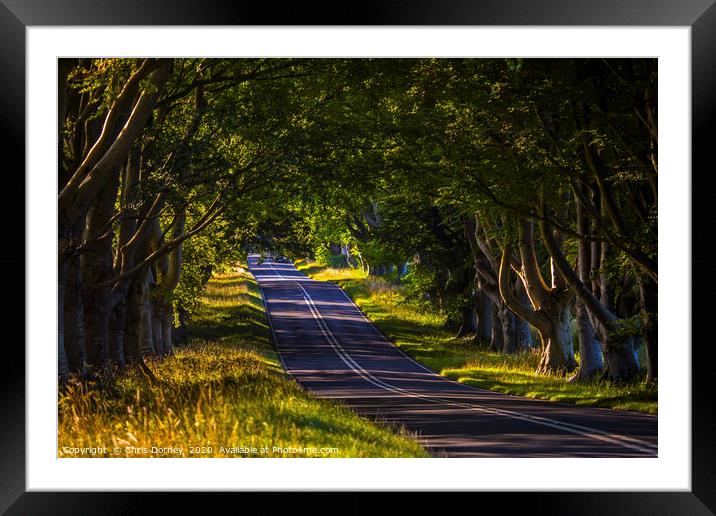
column 152, row 154
column 523, row 193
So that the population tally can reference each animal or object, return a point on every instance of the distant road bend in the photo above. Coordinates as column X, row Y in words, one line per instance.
column 334, row 351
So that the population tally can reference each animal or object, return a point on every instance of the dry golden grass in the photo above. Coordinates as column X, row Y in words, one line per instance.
column 225, row 395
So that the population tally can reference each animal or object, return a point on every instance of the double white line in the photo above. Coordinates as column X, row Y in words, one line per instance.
column 593, row 433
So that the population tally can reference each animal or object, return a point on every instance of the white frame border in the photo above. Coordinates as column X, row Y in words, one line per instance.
column 670, row 471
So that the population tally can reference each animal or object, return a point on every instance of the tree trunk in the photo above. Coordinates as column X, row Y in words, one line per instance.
column 620, row 358
column 523, row 335
column 507, row 323
column 117, row 321
column 557, row 346
column 72, row 317
column 96, row 315
column 550, row 306
column 146, row 333
column 497, row 336
column 483, row 336
column 63, row 368
column 167, row 329
column 648, row 296
column 616, row 336
column 133, row 320
column 468, row 323
column 591, row 362
column 96, row 267
column 157, row 308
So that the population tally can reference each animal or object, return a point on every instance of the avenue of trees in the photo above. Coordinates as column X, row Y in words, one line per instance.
column 521, row 195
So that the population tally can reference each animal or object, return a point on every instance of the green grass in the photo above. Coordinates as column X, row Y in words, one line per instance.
column 422, row 335
column 225, row 389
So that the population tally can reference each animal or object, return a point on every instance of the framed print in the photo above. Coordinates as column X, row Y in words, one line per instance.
column 631, row 468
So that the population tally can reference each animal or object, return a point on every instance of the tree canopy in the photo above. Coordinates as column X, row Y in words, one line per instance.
column 519, row 196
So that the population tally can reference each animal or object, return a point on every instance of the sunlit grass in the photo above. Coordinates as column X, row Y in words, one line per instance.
column 317, row 271
column 226, row 389
column 422, row 335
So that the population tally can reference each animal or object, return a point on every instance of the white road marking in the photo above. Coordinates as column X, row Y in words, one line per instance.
column 593, row 433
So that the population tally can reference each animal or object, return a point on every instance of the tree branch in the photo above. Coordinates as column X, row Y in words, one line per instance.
column 601, row 313
column 535, row 317
column 534, row 282
column 74, row 195
column 211, row 213
column 640, row 258
column 110, row 120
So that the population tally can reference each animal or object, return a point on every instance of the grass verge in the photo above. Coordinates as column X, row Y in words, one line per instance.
column 422, row 336
column 224, row 395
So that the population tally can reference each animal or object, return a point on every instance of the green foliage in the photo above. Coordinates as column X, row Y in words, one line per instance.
column 337, row 261
column 420, row 287
column 203, row 255
column 392, row 157
column 322, row 255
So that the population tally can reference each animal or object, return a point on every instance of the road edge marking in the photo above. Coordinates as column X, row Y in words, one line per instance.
column 593, row 433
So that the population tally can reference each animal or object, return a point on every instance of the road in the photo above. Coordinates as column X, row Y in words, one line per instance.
column 334, row 351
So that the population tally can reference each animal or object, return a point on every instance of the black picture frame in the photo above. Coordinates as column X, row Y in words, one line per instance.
column 16, row 15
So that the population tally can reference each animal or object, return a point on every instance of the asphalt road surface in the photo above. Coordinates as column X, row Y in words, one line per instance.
column 334, row 351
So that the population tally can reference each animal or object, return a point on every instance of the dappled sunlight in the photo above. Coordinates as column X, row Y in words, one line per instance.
column 226, row 387
column 639, row 397
column 273, row 278
column 334, row 351
column 423, row 336
column 186, row 187
column 318, row 272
